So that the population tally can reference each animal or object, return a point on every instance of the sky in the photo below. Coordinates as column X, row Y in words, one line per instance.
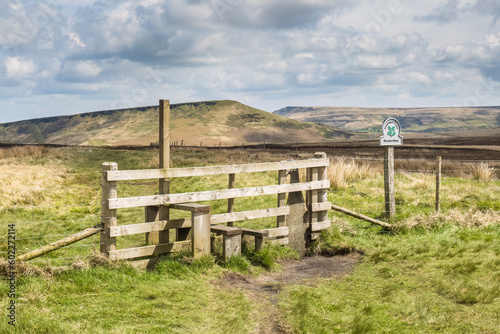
column 62, row 57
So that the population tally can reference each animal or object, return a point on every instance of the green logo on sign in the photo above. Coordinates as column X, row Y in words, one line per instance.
column 392, row 131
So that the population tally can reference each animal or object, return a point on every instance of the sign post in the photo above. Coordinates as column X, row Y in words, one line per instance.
column 391, row 130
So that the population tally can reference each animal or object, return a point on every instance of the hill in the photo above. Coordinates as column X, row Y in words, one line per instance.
column 411, row 119
column 210, row 122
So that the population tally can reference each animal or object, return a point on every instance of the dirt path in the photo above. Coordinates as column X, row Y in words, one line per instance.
column 265, row 289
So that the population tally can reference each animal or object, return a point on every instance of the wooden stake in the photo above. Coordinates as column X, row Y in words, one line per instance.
column 61, row 243
column 360, row 216
column 390, row 198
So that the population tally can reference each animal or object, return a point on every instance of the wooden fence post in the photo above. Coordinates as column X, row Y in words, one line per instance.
column 390, row 197
column 200, row 224
column 282, row 178
column 438, row 184
column 164, row 184
column 108, row 216
column 230, row 201
column 323, row 193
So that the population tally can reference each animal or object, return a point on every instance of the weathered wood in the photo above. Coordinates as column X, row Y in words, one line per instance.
column 277, row 232
column 191, row 207
column 231, row 245
column 119, row 231
column 225, row 230
column 438, row 183
column 322, row 194
column 230, row 201
column 164, row 134
column 213, row 170
column 200, row 234
column 109, row 191
column 132, row 202
column 282, row 179
column 315, row 207
column 255, row 233
column 319, row 226
column 164, row 151
column 131, row 253
column 60, row 243
column 360, row 216
column 298, row 219
column 152, row 214
column 390, row 197
column 247, row 215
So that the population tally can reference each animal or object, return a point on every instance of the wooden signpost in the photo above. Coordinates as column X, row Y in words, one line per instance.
column 391, row 130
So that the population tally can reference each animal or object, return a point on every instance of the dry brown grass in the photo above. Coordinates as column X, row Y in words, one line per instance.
column 27, row 185
column 94, row 259
column 464, row 219
column 483, row 172
column 344, row 170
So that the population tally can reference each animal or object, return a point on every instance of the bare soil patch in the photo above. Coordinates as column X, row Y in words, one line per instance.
column 265, row 289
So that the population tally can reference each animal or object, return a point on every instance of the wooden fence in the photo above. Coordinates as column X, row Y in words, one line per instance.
column 196, row 231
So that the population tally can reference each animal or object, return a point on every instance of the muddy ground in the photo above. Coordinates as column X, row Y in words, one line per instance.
column 265, row 289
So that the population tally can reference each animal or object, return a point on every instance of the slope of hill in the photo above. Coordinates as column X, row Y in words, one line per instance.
column 210, row 122
column 411, row 119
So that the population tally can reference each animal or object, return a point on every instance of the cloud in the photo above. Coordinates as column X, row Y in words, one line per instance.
column 17, row 68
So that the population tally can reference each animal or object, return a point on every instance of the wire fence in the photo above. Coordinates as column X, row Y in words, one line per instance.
column 43, row 205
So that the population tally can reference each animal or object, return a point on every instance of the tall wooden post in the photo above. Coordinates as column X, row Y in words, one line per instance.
column 281, row 220
column 230, row 201
column 438, row 183
column 164, row 134
column 108, row 216
column 390, row 197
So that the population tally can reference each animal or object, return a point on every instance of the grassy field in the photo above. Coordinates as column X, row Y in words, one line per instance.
column 432, row 273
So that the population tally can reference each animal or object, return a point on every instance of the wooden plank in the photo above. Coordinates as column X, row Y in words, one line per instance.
column 319, row 226
column 225, row 230
column 247, row 215
column 283, row 241
column 120, row 231
column 213, row 170
column 192, row 207
column 324, row 206
column 255, row 233
column 132, row 202
column 131, row 253
column 277, row 232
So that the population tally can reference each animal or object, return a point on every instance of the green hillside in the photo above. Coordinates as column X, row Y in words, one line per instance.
column 210, row 123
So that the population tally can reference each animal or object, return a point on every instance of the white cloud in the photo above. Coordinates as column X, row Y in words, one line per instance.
column 18, row 68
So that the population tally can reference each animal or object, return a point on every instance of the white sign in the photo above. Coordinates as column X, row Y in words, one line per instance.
column 391, row 130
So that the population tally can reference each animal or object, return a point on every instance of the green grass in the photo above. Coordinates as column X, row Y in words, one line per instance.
column 433, row 273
